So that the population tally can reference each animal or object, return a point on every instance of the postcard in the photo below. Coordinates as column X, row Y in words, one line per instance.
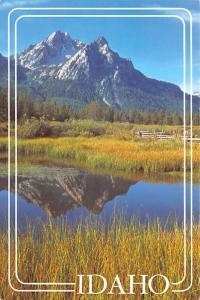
column 99, row 149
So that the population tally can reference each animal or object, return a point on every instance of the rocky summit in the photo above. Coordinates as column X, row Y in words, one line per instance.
column 71, row 71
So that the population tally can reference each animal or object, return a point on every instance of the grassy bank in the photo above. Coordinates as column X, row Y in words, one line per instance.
column 126, row 248
column 110, row 153
column 39, row 166
column 103, row 145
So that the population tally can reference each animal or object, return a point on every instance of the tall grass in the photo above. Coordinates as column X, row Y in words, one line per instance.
column 60, row 253
column 111, row 146
column 110, row 153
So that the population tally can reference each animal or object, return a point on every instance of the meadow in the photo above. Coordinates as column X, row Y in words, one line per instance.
column 63, row 252
column 106, row 146
column 54, row 253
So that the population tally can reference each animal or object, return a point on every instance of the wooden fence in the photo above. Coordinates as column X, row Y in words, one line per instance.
column 161, row 135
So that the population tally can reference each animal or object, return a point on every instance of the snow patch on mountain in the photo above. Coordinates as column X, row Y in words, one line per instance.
column 105, row 51
column 56, row 49
column 106, row 102
column 61, row 67
column 71, row 68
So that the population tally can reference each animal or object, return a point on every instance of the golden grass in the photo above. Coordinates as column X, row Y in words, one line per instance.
column 126, row 248
column 117, row 150
column 148, row 156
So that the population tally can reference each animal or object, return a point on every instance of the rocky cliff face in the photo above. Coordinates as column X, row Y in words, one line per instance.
column 94, row 71
column 57, row 48
column 69, row 70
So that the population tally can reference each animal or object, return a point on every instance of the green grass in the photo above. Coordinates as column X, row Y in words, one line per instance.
column 126, row 248
column 90, row 128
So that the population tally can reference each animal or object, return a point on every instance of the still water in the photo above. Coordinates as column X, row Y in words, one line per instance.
column 70, row 194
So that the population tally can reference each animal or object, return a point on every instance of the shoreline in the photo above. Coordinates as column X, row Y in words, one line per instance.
column 107, row 154
column 34, row 165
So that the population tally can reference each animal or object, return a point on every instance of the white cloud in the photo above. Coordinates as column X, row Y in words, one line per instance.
column 186, row 17
column 195, row 17
column 194, row 11
column 17, row 3
column 195, row 86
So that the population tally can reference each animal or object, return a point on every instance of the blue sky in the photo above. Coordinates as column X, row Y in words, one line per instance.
column 154, row 45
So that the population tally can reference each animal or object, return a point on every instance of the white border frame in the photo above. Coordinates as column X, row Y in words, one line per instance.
column 141, row 9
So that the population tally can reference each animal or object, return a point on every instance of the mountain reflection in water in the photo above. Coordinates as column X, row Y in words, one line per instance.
column 62, row 189
column 74, row 195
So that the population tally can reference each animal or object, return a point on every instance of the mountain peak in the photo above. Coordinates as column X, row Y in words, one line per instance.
column 103, row 48
column 55, row 49
column 54, row 34
column 101, row 41
column 82, row 72
column 58, row 36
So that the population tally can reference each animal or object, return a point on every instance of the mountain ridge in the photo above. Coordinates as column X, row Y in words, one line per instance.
column 75, row 72
column 53, row 50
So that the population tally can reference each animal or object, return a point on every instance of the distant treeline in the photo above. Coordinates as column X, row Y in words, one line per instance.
column 96, row 110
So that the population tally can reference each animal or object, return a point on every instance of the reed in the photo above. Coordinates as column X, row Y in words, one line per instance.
column 110, row 153
column 60, row 252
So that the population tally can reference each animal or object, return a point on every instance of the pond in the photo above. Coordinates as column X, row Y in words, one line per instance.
column 70, row 194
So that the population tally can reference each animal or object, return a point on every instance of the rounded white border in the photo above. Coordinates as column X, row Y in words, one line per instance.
column 174, row 9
